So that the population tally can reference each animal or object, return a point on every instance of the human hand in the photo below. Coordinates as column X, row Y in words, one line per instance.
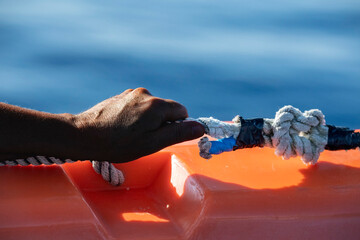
column 131, row 125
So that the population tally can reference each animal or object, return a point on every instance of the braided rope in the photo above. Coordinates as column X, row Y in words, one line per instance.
column 219, row 129
column 107, row 170
column 292, row 133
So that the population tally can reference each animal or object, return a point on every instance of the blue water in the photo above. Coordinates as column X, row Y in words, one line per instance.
column 218, row 58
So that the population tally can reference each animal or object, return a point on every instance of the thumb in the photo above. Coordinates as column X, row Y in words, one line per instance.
column 177, row 132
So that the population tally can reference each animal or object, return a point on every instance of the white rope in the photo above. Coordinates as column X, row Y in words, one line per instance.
column 107, row 170
column 218, row 129
column 292, row 133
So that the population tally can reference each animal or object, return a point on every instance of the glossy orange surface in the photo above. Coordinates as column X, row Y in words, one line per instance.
column 175, row 194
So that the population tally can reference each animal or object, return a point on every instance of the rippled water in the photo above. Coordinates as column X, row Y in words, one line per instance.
column 218, row 58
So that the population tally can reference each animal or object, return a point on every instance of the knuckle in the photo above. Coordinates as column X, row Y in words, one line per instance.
column 123, row 94
column 128, row 90
column 141, row 90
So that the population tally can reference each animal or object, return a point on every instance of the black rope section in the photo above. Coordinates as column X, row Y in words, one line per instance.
column 342, row 138
column 251, row 135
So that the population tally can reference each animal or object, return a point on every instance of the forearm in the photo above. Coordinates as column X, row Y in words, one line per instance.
column 25, row 133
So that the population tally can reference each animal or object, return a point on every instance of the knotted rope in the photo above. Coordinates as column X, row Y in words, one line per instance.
column 292, row 133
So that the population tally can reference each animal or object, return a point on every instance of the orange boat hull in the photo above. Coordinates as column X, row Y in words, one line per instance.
column 175, row 194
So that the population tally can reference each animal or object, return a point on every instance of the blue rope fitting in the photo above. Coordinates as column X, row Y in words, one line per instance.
column 222, row 145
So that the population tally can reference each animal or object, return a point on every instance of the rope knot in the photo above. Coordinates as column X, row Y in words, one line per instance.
column 294, row 133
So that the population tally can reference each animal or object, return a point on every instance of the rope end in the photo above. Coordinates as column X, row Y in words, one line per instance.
column 204, row 147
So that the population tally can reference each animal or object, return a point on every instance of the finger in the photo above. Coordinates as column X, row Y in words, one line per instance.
column 173, row 111
column 175, row 133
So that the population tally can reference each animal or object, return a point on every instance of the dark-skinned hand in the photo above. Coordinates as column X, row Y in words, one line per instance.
column 134, row 124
